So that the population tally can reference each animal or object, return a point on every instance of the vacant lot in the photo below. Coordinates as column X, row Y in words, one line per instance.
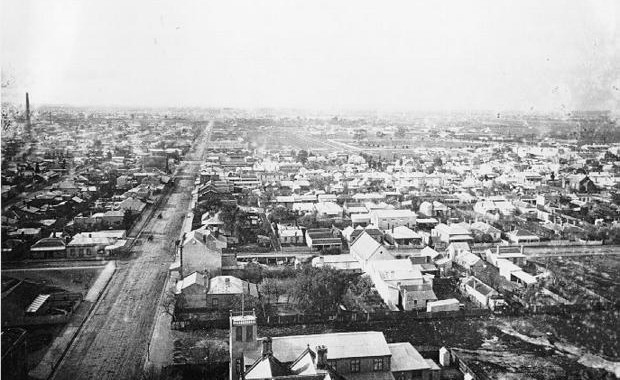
column 77, row 280
column 589, row 275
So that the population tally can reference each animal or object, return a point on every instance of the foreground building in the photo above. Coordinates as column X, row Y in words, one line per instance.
column 352, row 355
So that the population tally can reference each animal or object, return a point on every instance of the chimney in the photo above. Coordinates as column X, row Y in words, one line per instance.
column 27, row 110
column 321, row 357
column 267, row 348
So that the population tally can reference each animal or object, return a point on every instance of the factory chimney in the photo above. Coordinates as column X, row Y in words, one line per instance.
column 27, row 110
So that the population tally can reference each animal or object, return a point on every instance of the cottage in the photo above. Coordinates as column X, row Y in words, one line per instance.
column 202, row 252
column 403, row 236
column 322, row 238
column 482, row 293
column 512, row 254
column 452, row 233
column 291, row 235
column 228, row 292
column 366, row 249
column 469, row 261
column 386, row 219
column 522, row 236
column 400, row 284
column 344, row 262
column 49, row 248
column 93, row 244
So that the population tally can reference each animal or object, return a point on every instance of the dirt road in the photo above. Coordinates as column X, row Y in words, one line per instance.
column 113, row 341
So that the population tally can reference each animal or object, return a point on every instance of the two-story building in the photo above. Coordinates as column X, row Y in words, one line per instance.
column 386, row 219
column 350, row 355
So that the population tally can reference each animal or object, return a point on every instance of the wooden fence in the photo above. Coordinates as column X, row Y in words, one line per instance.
column 194, row 320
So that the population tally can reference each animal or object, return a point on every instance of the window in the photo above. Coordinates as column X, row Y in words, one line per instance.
column 249, row 334
column 239, row 334
column 215, row 303
column 377, row 364
column 400, row 377
column 355, row 365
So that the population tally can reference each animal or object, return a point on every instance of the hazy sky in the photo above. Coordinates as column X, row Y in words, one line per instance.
column 418, row 55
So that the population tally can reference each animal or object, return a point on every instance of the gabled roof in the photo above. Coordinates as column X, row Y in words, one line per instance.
column 365, row 246
column 267, row 367
column 193, row 279
column 406, row 358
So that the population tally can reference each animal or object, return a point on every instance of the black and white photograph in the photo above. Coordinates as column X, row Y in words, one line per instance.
column 310, row 189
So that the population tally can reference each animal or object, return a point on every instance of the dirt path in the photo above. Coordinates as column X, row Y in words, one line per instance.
column 113, row 341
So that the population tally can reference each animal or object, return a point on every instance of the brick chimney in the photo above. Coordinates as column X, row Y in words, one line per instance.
column 267, row 347
column 321, row 357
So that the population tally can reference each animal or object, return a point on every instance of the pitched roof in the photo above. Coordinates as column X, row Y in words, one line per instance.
column 404, row 232
column 365, row 246
column 340, row 345
column 192, row 279
column 406, row 358
column 267, row 367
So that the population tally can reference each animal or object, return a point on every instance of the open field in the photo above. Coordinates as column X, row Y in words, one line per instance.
column 77, row 280
column 590, row 275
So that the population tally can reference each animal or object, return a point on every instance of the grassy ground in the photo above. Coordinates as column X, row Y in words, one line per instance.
column 598, row 274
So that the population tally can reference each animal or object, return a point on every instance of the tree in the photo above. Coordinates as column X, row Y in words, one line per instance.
column 302, row 156
column 228, row 215
column 281, row 213
column 319, row 289
column 401, row 130
column 253, row 273
column 169, row 304
column 437, row 162
column 127, row 219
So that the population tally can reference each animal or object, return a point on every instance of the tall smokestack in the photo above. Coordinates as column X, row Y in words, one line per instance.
column 27, row 110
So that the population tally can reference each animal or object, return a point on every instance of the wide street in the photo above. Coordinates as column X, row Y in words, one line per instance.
column 113, row 341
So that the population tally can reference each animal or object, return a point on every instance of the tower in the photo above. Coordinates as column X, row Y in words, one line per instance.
column 243, row 339
column 28, row 130
column 27, row 108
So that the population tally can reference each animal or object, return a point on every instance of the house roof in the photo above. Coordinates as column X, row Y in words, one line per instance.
column 428, row 251
column 406, row 358
column 397, row 270
column 48, row 244
column 460, row 246
column 267, row 367
column 339, row 345
column 192, row 279
column 404, row 232
column 467, row 259
column 365, row 246
column 231, row 285
column 383, row 213
column 525, row 277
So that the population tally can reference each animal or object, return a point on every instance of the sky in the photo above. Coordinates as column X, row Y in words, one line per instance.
column 533, row 55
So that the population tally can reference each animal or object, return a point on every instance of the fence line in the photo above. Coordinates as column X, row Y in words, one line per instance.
column 188, row 319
